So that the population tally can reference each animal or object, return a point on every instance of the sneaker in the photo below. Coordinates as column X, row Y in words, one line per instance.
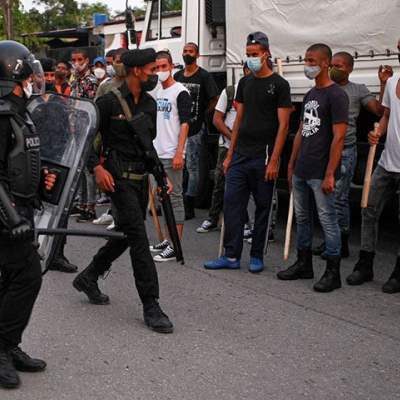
column 76, row 210
column 166, row 255
column 222, row 263
column 159, row 246
column 256, row 265
column 103, row 200
column 207, row 226
column 111, row 227
column 86, row 216
column 105, row 219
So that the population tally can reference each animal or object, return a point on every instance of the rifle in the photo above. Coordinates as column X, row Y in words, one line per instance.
column 142, row 129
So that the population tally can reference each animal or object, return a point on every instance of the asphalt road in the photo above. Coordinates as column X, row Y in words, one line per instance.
column 237, row 335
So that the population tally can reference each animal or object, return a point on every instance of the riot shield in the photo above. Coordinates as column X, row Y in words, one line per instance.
column 67, row 127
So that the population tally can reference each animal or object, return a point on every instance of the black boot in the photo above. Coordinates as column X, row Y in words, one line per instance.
column 301, row 269
column 24, row 363
column 189, row 207
column 345, row 245
column 62, row 264
column 363, row 270
column 393, row 284
column 86, row 282
column 330, row 280
column 319, row 250
column 156, row 319
column 9, row 378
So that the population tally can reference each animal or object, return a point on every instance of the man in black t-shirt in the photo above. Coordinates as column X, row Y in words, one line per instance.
column 204, row 93
column 252, row 163
column 313, row 169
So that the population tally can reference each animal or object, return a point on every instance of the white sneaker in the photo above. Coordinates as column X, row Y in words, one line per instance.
column 111, row 227
column 159, row 246
column 207, row 226
column 104, row 219
column 167, row 255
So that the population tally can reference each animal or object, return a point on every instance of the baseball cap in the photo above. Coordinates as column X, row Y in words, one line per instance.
column 100, row 60
column 258, row 38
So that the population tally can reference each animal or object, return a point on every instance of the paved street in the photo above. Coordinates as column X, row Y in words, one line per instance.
column 237, row 336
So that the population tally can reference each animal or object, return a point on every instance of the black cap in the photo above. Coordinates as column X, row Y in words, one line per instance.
column 138, row 57
column 258, row 38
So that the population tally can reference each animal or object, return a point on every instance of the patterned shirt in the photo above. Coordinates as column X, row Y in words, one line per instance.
column 84, row 86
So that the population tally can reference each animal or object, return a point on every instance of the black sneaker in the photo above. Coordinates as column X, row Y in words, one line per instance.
column 24, row 363
column 87, row 216
column 76, row 210
column 159, row 246
column 156, row 319
column 167, row 254
column 9, row 378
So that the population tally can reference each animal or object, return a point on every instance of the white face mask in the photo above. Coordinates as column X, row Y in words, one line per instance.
column 28, row 89
column 99, row 73
column 163, row 75
column 80, row 67
column 110, row 70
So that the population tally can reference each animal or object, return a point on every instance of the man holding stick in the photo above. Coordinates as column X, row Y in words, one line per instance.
column 313, row 168
column 385, row 184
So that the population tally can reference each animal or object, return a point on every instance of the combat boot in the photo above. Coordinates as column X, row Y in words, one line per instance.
column 363, row 271
column 9, row 378
column 393, row 284
column 330, row 280
column 301, row 269
column 25, row 363
column 156, row 319
column 86, row 282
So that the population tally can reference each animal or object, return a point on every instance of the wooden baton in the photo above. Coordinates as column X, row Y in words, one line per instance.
column 368, row 172
column 288, row 228
column 153, row 210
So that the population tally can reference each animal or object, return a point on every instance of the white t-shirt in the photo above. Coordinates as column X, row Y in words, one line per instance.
column 390, row 158
column 230, row 116
column 169, row 118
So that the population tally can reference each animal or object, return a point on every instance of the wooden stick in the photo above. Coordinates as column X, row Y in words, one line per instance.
column 280, row 66
column 368, row 172
column 156, row 220
column 221, row 238
column 288, row 228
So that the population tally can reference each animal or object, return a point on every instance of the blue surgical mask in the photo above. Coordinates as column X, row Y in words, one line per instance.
column 254, row 64
column 311, row 72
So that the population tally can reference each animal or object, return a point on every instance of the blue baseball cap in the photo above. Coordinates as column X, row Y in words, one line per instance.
column 100, row 60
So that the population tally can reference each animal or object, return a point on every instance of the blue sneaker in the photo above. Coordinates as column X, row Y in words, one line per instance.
column 256, row 265
column 222, row 263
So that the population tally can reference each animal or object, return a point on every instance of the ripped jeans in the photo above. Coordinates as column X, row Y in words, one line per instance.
column 384, row 186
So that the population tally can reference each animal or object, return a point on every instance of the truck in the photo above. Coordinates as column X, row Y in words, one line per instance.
column 368, row 30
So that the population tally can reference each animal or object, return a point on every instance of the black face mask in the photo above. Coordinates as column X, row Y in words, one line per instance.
column 188, row 59
column 150, row 84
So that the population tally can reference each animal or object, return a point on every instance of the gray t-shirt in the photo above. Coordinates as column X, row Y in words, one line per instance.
column 359, row 96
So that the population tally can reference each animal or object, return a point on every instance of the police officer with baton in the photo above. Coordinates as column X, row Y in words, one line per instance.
column 124, row 177
column 21, row 175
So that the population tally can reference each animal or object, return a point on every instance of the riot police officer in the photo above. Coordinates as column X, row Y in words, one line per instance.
column 124, row 177
column 21, row 75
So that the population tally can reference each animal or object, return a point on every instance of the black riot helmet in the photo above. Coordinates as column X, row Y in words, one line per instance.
column 18, row 64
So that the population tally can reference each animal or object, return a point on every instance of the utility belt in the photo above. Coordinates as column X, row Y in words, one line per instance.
column 120, row 168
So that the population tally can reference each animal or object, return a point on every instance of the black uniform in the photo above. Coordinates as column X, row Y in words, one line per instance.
column 124, row 160
column 21, row 275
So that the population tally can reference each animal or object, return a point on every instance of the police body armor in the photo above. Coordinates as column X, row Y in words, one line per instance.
column 24, row 157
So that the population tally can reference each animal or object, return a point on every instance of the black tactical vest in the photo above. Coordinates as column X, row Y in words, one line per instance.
column 24, row 158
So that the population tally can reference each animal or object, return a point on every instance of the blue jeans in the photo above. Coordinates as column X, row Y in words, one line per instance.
column 342, row 188
column 325, row 203
column 193, row 150
column 246, row 176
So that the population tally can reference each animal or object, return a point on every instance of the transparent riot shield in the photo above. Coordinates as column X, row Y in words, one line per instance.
column 67, row 127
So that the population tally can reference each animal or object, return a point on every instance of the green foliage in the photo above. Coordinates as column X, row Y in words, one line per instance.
column 49, row 15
